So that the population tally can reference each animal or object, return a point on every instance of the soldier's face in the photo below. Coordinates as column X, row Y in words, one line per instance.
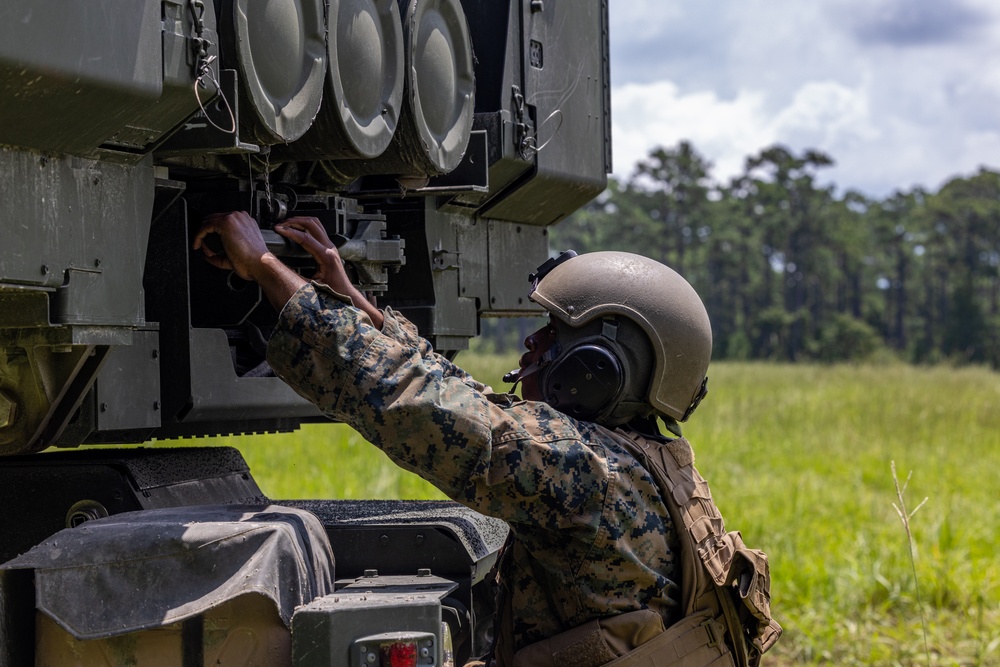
column 537, row 344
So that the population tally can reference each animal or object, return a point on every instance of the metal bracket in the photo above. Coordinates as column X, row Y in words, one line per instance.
column 370, row 253
column 201, row 133
column 524, row 140
column 443, row 260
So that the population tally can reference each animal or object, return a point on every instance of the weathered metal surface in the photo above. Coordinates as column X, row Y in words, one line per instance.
column 460, row 129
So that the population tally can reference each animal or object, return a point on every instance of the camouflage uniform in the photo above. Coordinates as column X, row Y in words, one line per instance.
column 597, row 540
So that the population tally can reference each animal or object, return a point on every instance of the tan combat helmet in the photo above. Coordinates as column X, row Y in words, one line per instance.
column 578, row 290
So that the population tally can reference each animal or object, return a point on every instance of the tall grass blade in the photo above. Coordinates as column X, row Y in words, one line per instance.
column 905, row 517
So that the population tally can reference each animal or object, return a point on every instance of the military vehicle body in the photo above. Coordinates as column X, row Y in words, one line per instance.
column 436, row 140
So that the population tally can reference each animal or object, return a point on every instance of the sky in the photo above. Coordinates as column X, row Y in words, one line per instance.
column 900, row 93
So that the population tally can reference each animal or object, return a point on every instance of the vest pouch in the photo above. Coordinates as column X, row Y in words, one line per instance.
column 594, row 643
column 695, row 641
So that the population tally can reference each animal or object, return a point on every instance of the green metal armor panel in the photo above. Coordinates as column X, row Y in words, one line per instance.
column 123, row 123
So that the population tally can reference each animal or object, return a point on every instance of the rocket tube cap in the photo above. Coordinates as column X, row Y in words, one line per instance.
column 365, row 80
column 440, row 89
column 280, row 49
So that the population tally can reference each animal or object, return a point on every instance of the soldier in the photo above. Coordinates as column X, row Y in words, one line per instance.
column 628, row 341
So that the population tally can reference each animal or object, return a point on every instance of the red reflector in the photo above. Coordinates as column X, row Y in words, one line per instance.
column 398, row 654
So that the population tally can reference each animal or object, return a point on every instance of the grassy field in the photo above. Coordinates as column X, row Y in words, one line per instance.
column 800, row 460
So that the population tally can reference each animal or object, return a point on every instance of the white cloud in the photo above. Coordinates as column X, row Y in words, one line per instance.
column 896, row 102
column 877, row 153
column 724, row 131
column 824, row 114
column 821, row 115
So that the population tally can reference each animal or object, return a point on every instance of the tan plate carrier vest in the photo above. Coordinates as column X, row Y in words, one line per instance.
column 725, row 587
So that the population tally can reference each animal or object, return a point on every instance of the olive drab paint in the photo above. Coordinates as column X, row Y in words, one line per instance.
column 435, row 141
column 492, row 118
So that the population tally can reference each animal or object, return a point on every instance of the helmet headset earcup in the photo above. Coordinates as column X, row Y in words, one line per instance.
column 587, row 380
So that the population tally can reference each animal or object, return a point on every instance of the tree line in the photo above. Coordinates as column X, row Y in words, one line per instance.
column 791, row 270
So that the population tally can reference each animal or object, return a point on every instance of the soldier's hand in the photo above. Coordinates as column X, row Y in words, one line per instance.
column 243, row 246
column 310, row 234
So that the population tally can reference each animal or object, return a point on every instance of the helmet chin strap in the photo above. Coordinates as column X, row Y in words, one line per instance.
column 518, row 374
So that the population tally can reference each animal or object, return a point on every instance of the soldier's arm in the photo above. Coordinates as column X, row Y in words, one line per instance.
column 310, row 234
column 245, row 253
column 433, row 421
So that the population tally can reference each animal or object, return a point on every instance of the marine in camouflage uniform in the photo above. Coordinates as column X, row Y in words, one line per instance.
column 594, row 535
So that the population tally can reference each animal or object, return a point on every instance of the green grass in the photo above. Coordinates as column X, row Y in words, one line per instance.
column 799, row 458
column 800, row 461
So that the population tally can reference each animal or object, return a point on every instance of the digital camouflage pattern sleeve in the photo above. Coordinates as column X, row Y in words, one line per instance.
column 596, row 537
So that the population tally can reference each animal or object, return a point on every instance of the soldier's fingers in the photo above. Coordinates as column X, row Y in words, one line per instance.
column 219, row 261
column 311, row 226
column 303, row 238
column 208, row 227
column 308, row 235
